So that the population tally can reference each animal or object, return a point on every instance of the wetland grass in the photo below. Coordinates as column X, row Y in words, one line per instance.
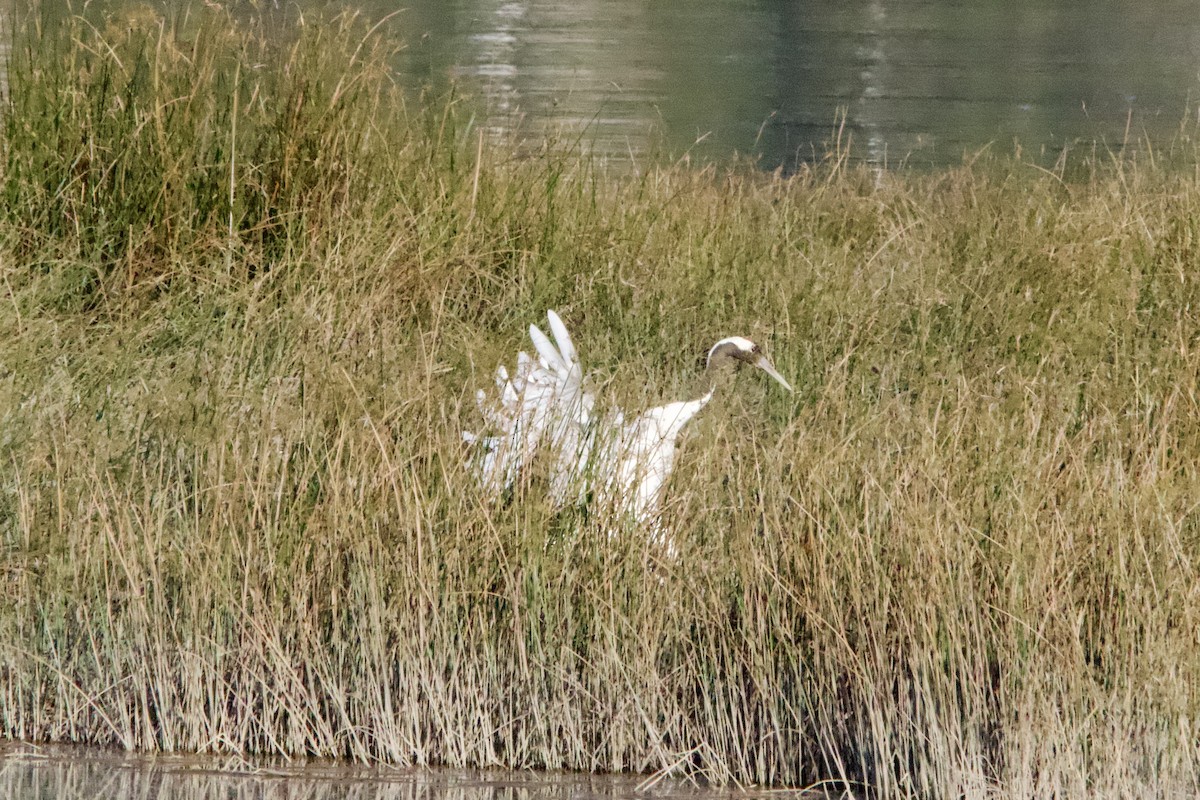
column 248, row 293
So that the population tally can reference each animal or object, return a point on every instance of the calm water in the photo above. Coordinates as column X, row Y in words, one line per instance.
column 919, row 82
column 31, row 772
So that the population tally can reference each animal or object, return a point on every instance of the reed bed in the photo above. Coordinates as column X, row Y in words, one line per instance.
column 249, row 290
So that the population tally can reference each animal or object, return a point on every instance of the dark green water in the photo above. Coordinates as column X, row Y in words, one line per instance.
column 914, row 82
column 33, row 772
column 918, row 82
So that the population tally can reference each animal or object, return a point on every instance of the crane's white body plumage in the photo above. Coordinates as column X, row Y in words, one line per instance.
column 637, row 458
column 546, row 406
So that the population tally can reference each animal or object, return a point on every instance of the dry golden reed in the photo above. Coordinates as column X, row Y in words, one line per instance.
column 248, row 293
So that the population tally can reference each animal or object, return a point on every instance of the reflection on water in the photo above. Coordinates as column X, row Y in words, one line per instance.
column 924, row 81
column 36, row 772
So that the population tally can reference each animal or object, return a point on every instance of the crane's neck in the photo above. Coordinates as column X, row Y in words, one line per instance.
column 717, row 375
column 719, row 365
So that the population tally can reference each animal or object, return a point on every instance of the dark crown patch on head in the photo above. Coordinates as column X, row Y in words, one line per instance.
column 732, row 350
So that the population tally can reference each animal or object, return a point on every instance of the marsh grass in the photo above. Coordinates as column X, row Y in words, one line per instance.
column 248, row 295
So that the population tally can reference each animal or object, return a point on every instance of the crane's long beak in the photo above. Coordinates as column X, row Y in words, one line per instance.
column 762, row 363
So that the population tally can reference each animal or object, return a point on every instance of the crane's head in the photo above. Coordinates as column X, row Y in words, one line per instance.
column 735, row 350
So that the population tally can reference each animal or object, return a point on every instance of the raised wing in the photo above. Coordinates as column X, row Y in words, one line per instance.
column 544, row 404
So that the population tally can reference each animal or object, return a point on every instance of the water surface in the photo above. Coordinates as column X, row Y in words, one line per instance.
column 920, row 82
column 41, row 772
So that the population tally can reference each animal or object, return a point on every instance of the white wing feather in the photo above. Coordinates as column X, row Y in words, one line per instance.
column 543, row 403
column 565, row 345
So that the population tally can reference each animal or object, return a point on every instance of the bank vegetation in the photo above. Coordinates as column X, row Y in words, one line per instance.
column 249, row 287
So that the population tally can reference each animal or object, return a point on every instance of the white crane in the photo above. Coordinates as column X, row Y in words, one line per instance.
column 546, row 406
